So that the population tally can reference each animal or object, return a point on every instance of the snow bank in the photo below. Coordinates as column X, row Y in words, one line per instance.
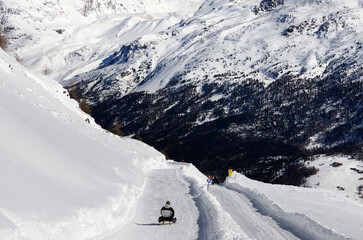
column 60, row 176
column 308, row 213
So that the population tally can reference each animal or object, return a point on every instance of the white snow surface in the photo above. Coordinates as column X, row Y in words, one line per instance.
column 337, row 178
column 64, row 178
column 61, row 177
column 308, row 213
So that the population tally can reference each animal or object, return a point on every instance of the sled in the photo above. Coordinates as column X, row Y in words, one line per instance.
column 161, row 220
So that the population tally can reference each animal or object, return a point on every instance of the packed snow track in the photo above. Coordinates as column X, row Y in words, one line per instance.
column 162, row 185
column 229, row 211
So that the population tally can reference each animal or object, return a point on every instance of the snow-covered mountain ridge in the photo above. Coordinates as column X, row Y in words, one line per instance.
column 285, row 73
column 62, row 37
column 234, row 40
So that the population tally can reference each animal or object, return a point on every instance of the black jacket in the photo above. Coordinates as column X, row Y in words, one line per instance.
column 167, row 212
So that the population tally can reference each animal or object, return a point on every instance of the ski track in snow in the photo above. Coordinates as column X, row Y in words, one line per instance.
column 204, row 215
column 162, row 185
column 255, row 224
column 298, row 224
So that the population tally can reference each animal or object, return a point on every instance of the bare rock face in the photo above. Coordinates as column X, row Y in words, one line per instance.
column 267, row 5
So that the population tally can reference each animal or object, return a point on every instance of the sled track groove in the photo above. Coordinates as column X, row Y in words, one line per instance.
column 212, row 218
column 298, row 224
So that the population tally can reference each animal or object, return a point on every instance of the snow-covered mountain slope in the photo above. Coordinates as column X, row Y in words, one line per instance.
column 238, row 40
column 60, row 176
column 63, row 37
column 284, row 73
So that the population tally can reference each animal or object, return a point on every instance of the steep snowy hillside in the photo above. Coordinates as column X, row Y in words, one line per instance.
column 282, row 74
column 60, row 176
column 64, row 37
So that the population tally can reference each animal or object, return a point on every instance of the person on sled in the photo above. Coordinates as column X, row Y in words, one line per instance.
column 167, row 213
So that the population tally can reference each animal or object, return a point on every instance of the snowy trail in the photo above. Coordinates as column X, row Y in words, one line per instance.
column 228, row 212
column 162, row 185
column 251, row 221
column 297, row 224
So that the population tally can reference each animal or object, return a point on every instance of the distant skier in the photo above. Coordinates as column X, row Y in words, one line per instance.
column 167, row 213
column 215, row 180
